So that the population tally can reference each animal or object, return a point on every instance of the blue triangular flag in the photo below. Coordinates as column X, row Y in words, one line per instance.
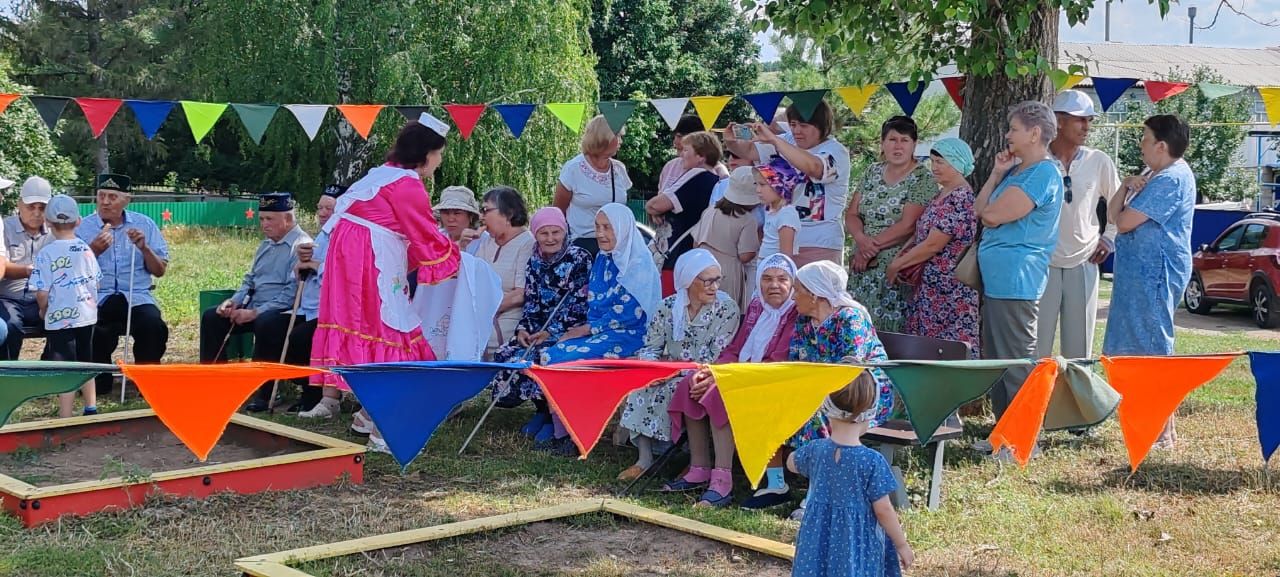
column 408, row 401
column 151, row 114
column 907, row 98
column 515, row 115
column 1110, row 90
column 1266, row 376
column 765, row 103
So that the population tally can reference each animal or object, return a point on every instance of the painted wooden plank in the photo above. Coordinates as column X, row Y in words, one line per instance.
column 294, row 433
column 735, row 538
column 76, row 421
column 269, row 569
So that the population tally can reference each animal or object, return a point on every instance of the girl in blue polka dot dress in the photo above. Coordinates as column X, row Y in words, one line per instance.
column 850, row 528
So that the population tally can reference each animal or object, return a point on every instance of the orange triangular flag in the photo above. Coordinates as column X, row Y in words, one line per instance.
column 1020, row 425
column 1151, row 388
column 6, row 100
column 361, row 116
column 196, row 401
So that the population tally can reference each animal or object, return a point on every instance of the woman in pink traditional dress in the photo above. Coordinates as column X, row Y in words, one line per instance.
column 382, row 229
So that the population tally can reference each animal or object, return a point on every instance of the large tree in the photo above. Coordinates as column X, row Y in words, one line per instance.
column 1006, row 48
column 26, row 147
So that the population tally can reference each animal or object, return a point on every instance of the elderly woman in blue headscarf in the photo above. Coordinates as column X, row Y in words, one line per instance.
column 942, row 307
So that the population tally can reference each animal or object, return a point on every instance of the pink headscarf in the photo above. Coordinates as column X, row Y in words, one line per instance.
column 548, row 216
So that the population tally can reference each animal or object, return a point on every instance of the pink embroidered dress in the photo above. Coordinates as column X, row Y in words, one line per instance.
column 381, row 229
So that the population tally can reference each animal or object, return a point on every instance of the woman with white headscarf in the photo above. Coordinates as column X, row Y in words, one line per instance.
column 694, row 324
column 765, row 336
column 624, row 292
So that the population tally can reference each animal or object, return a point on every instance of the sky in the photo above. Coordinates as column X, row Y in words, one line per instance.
column 1138, row 22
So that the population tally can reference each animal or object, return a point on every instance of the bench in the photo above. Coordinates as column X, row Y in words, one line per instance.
column 898, row 433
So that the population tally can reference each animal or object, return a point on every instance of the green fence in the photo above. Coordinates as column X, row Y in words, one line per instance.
column 219, row 213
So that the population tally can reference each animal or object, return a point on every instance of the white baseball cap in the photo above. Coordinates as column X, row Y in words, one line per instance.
column 36, row 189
column 1075, row 103
column 5, row 183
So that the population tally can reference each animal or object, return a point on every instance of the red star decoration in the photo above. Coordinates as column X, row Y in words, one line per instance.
column 166, row 216
column 248, row 214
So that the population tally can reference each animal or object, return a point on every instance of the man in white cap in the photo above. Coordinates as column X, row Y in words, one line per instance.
column 1071, row 295
column 24, row 233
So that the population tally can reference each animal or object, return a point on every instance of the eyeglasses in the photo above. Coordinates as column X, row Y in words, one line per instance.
column 488, row 209
column 710, row 282
column 1066, row 181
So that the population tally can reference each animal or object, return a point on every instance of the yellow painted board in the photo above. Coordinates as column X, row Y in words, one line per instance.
column 731, row 537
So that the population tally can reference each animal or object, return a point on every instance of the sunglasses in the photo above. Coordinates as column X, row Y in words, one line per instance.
column 1066, row 181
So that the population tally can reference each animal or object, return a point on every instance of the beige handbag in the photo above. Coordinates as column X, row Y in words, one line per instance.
column 966, row 270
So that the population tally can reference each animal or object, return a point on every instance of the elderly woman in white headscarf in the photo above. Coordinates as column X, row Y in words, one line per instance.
column 765, row 336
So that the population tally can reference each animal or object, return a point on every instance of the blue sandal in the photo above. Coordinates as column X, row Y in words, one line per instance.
column 713, row 498
column 682, row 486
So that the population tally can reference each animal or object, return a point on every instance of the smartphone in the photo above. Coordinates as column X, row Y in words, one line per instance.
column 742, row 132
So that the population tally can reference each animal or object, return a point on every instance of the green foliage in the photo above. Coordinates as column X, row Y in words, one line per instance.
column 1212, row 152
column 25, row 146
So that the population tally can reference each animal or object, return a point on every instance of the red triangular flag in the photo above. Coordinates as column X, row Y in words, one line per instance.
column 1151, row 388
column 955, row 87
column 1020, row 425
column 465, row 116
column 98, row 111
column 196, row 401
column 361, row 116
column 6, row 100
column 1158, row 91
column 585, row 394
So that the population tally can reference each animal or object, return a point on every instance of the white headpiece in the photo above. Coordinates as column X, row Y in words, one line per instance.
column 688, row 267
column 435, row 124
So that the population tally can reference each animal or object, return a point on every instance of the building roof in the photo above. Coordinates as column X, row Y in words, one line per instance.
column 1240, row 66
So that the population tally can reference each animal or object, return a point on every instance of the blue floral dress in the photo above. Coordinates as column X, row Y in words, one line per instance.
column 566, row 276
column 840, row 536
column 847, row 332
column 617, row 320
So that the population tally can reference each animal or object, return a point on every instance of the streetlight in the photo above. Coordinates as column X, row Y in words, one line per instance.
column 1191, row 32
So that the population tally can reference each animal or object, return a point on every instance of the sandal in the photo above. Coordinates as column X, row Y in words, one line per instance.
column 361, row 425
column 713, row 498
column 681, row 486
column 631, row 473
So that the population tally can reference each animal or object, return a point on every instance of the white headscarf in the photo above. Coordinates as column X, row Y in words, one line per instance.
column 636, row 271
column 753, row 349
column 827, row 280
column 688, row 267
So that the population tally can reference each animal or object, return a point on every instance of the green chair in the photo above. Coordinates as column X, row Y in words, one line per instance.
column 240, row 346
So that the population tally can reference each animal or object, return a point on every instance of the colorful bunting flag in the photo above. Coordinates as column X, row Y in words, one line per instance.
column 586, row 394
column 1158, row 91
column 955, row 87
column 6, row 100
column 570, row 113
column 465, row 116
column 617, row 112
column 907, row 99
column 98, row 111
column 515, row 116
column 1020, row 425
column 201, row 116
column 360, row 116
column 709, row 108
column 1081, row 398
column 1216, row 91
column 411, row 113
column 50, row 108
column 1271, row 101
column 150, row 114
column 310, row 117
column 806, row 102
column 768, row 402
column 1110, row 90
column 765, row 104
column 1063, row 80
column 21, row 381
column 1266, row 376
column 255, row 118
column 196, row 401
column 1151, row 388
column 409, row 401
column 671, row 109
column 932, row 390
column 857, row 97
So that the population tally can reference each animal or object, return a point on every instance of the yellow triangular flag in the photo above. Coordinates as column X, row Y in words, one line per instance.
column 1071, row 81
column 708, row 108
column 768, row 402
column 1271, row 100
column 857, row 97
column 570, row 113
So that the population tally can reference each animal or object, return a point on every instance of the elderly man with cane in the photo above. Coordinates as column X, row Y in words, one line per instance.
column 131, row 254
column 266, row 297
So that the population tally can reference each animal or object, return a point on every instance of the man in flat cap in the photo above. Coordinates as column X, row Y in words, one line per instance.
column 131, row 254
column 266, row 296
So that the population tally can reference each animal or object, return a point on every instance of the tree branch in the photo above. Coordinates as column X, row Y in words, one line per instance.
column 1221, row 3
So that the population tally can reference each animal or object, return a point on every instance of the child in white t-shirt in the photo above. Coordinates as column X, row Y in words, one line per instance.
column 774, row 183
column 65, row 277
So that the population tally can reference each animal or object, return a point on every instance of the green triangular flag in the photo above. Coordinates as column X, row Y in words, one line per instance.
column 255, row 118
column 1081, row 398
column 570, row 113
column 932, row 390
column 21, row 381
column 617, row 112
column 202, row 116
column 1212, row 91
column 807, row 101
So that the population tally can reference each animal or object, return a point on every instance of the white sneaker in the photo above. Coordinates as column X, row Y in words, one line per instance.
column 377, row 445
column 326, row 409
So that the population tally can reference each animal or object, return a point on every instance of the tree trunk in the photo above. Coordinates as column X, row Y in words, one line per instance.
column 987, row 98
column 102, row 161
column 352, row 150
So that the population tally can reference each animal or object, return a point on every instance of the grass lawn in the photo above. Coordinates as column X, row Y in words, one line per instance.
column 1204, row 509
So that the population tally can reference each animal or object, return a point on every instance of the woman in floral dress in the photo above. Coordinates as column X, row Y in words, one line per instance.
column 942, row 306
column 882, row 216
column 694, row 324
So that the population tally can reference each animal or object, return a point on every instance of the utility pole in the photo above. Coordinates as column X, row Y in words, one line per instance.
column 1191, row 32
column 1106, row 34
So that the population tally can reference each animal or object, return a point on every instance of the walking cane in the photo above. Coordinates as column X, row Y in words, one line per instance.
column 512, row 375
column 128, row 322
column 244, row 302
column 284, row 351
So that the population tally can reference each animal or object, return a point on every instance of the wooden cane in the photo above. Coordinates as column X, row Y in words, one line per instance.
column 284, row 351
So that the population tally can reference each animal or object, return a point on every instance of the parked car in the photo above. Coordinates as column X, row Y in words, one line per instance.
column 1241, row 267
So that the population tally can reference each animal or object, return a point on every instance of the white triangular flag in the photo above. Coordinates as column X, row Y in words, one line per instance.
column 671, row 109
column 435, row 124
column 310, row 116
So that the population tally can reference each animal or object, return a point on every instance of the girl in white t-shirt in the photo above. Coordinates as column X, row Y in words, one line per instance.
column 775, row 183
